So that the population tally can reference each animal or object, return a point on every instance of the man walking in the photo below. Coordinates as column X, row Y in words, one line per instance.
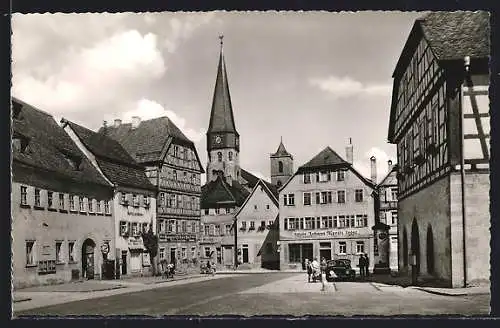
column 361, row 265
column 367, row 265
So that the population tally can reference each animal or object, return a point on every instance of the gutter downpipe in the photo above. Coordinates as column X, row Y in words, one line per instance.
column 462, row 168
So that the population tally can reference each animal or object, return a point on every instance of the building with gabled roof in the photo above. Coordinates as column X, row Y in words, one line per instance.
column 60, row 204
column 439, row 121
column 173, row 166
column 326, row 210
column 134, row 199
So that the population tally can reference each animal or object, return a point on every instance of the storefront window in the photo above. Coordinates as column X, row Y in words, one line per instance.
column 294, row 251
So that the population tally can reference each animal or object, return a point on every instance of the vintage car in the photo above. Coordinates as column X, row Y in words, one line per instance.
column 340, row 270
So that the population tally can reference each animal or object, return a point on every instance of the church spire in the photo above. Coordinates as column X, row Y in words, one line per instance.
column 221, row 116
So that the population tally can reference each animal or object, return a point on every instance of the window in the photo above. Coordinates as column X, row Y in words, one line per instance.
column 71, row 202
column 360, row 247
column 162, row 253
column 171, row 226
column 326, row 197
column 267, row 207
column 206, row 229
column 59, row 256
column 193, row 252
column 342, row 247
column 37, row 197
column 81, row 204
column 30, row 253
column 135, row 200
column 252, row 225
column 255, row 207
column 98, row 206
column 394, row 217
column 280, row 167
column 176, row 151
column 341, row 221
column 294, row 253
column 24, row 195
column 307, row 178
column 193, row 226
column 183, row 253
column 61, row 202
column 278, row 183
column 289, row 200
column 228, row 229
column 230, row 156
column 341, row 196
column 394, row 194
column 308, row 223
column 123, row 198
column 324, row 176
column 358, row 195
column 71, row 251
column 50, row 196
column 340, row 175
column 219, row 156
column 123, row 228
column 135, row 229
column 307, row 198
column 91, row 205
column 207, row 252
column 174, row 175
column 243, row 225
column 106, row 207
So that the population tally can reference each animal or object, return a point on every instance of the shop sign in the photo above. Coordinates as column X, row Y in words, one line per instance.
column 318, row 234
column 135, row 243
column 181, row 238
column 134, row 212
column 145, row 259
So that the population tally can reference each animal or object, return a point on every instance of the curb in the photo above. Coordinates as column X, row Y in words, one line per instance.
column 437, row 292
column 22, row 300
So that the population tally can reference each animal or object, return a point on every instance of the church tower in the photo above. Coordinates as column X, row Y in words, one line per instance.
column 281, row 166
column 223, row 141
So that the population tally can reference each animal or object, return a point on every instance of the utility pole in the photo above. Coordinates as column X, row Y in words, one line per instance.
column 235, row 244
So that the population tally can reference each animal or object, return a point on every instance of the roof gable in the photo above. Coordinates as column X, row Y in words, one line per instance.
column 390, row 178
column 218, row 192
column 327, row 157
column 260, row 184
column 281, row 151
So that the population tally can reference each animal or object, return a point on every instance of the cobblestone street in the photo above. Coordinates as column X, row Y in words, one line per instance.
column 261, row 294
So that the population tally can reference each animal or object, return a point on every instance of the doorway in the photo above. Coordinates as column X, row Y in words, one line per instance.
column 124, row 262
column 415, row 243
column 228, row 255
column 88, row 260
column 325, row 250
column 405, row 248
column 245, row 253
column 172, row 256
column 430, row 250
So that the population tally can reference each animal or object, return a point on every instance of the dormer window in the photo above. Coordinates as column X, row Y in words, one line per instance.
column 16, row 110
column 20, row 143
column 75, row 162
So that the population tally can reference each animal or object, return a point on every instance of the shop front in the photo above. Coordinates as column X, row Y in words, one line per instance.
column 180, row 249
column 297, row 246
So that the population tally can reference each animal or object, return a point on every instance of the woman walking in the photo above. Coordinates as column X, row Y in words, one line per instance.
column 309, row 270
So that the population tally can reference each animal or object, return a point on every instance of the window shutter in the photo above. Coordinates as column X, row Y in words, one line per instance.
column 129, row 227
column 318, row 200
column 286, row 224
column 388, row 217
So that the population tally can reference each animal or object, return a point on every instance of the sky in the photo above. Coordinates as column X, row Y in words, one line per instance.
column 314, row 79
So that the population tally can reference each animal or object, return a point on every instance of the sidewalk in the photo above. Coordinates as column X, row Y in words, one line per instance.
column 35, row 297
column 257, row 270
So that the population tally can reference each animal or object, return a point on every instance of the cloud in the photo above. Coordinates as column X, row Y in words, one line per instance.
column 363, row 166
column 148, row 109
column 108, row 76
column 183, row 27
column 345, row 87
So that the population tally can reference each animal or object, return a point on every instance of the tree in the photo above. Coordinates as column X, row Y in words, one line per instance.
column 150, row 241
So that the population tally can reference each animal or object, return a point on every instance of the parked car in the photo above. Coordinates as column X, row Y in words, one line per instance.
column 339, row 269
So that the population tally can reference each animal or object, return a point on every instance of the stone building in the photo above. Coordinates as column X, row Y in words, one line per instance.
column 326, row 210
column 440, row 123
column 173, row 166
column 134, row 198
column 281, row 166
column 228, row 185
column 387, row 190
column 62, row 223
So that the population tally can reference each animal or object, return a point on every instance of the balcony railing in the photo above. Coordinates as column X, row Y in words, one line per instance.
column 179, row 211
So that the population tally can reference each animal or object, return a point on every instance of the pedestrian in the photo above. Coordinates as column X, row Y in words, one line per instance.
column 323, row 274
column 367, row 265
column 309, row 270
column 361, row 265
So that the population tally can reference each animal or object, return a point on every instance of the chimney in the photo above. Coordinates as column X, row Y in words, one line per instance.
column 389, row 166
column 105, row 127
column 118, row 122
column 373, row 166
column 349, row 152
column 136, row 120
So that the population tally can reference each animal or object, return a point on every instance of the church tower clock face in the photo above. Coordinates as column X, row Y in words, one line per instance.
column 218, row 140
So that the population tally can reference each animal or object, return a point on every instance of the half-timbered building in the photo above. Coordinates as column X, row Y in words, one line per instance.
column 440, row 123
column 173, row 166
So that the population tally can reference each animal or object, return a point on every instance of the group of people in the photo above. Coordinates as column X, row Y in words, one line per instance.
column 315, row 269
column 363, row 264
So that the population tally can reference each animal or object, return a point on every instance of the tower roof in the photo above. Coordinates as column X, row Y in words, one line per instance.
column 281, row 152
column 221, row 116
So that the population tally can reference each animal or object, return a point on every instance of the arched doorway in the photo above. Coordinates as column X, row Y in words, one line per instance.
column 415, row 243
column 430, row 250
column 88, row 260
column 405, row 248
